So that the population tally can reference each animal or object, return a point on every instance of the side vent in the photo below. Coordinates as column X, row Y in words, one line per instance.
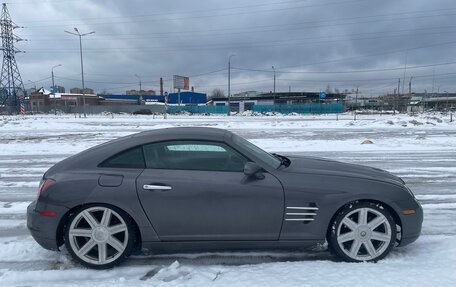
column 304, row 214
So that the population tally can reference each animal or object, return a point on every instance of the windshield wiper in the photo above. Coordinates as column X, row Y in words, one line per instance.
column 285, row 161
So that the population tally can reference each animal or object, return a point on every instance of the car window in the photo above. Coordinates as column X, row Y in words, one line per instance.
column 132, row 158
column 193, row 155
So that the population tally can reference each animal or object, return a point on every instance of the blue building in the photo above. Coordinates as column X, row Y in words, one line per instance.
column 186, row 98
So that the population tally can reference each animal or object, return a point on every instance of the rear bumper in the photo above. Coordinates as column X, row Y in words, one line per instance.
column 44, row 228
column 411, row 223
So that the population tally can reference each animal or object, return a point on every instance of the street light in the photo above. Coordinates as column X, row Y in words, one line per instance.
column 82, row 65
column 53, row 87
column 139, row 78
column 229, row 83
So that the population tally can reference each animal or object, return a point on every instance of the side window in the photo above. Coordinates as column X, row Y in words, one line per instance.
column 193, row 155
column 132, row 158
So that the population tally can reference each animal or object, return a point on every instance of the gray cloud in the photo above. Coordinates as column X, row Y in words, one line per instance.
column 162, row 38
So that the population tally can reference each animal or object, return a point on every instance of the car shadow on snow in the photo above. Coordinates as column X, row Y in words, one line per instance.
column 231, row 258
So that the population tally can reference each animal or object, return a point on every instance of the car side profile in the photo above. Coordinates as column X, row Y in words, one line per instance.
column 207, row 189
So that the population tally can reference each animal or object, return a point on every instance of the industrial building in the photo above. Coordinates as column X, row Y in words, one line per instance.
column 246, row 101
column 183, row 98
column 44, row 101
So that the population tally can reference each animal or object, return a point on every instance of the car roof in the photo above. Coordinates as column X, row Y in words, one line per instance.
column 193, row 131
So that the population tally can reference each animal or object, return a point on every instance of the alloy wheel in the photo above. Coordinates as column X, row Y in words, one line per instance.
column 98, row 235
column 364, row 234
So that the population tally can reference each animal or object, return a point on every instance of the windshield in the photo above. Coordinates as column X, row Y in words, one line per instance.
column 266, row 157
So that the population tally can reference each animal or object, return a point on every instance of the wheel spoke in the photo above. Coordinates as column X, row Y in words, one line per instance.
column 101, row 253
column 370, row 248
column 374, row 223
column 346, row 237
column 380, row 236
column 117, row 228
column 81, row 232
column 90, row 219
column 362, row 216
column 106, row 217
column 349, row 223
column 86, row 248
column 116, row 244
column 356, row 245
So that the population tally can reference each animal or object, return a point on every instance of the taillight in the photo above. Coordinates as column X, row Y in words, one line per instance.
column 44, row 184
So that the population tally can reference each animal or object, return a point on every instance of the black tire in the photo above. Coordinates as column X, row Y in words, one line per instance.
column 127, row 237
column 364, row 236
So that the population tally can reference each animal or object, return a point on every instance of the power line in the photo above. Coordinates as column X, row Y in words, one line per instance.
column 178, row 12
column 202, row 16
column 272, row 43
column 348, row 72
column 147, row 36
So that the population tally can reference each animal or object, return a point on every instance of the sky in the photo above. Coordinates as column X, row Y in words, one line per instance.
column 346, row 44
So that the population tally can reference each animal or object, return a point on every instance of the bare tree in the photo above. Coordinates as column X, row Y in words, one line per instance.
column 216, row 93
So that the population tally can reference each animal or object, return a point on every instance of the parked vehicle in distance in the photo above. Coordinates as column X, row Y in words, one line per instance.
column 189, row 189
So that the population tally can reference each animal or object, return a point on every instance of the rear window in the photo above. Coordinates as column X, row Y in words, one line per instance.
column 132, row 158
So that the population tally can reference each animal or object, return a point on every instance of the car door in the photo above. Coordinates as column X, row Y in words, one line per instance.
column 196, row 190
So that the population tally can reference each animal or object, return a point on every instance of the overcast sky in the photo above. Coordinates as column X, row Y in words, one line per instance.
column 343, row 43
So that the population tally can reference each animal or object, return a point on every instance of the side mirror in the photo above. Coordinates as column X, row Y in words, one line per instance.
column 252, row 169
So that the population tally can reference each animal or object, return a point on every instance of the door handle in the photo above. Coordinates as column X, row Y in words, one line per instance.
column 156, row 187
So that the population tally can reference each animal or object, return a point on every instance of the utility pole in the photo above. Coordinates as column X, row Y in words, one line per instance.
column 11, row 85
column 398, row 95
column 53, row 87
column 34, row 84
column 140, row 84
column 229, row 83
column 274, row 79
column 82, row 65
column 405, row 70
column 356, row 104
column 274, row 101
column 410, row 86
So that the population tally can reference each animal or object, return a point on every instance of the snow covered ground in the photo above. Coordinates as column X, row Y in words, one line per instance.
column 420, row 149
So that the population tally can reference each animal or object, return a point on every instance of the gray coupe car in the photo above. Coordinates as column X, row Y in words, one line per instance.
column 194, row 189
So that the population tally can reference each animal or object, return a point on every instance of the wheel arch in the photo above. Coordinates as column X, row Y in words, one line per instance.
column 390, row 209
column 60, row 232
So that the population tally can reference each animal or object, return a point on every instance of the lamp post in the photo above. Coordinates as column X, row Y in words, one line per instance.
column 229, row 83
column 447, row 100
column 140, row 84
column 82, row 65
column 53, row 87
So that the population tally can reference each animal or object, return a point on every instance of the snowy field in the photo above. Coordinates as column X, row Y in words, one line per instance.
column 421, row 150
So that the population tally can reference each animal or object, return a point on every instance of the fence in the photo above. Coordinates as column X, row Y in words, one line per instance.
column 284, row 109
column 327, row 108
column 153, row 109
column 198, row 109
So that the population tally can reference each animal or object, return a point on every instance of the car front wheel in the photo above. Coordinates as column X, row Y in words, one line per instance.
column 362, row 231
column 99, row 236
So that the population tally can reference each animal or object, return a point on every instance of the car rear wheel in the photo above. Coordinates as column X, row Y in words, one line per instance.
column 362, row 231
column 99, row 236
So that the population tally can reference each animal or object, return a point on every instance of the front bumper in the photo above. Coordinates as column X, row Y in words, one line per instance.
column 44, row 228
column 411, row 223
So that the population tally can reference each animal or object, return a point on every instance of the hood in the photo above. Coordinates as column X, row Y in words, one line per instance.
column 316, row 165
